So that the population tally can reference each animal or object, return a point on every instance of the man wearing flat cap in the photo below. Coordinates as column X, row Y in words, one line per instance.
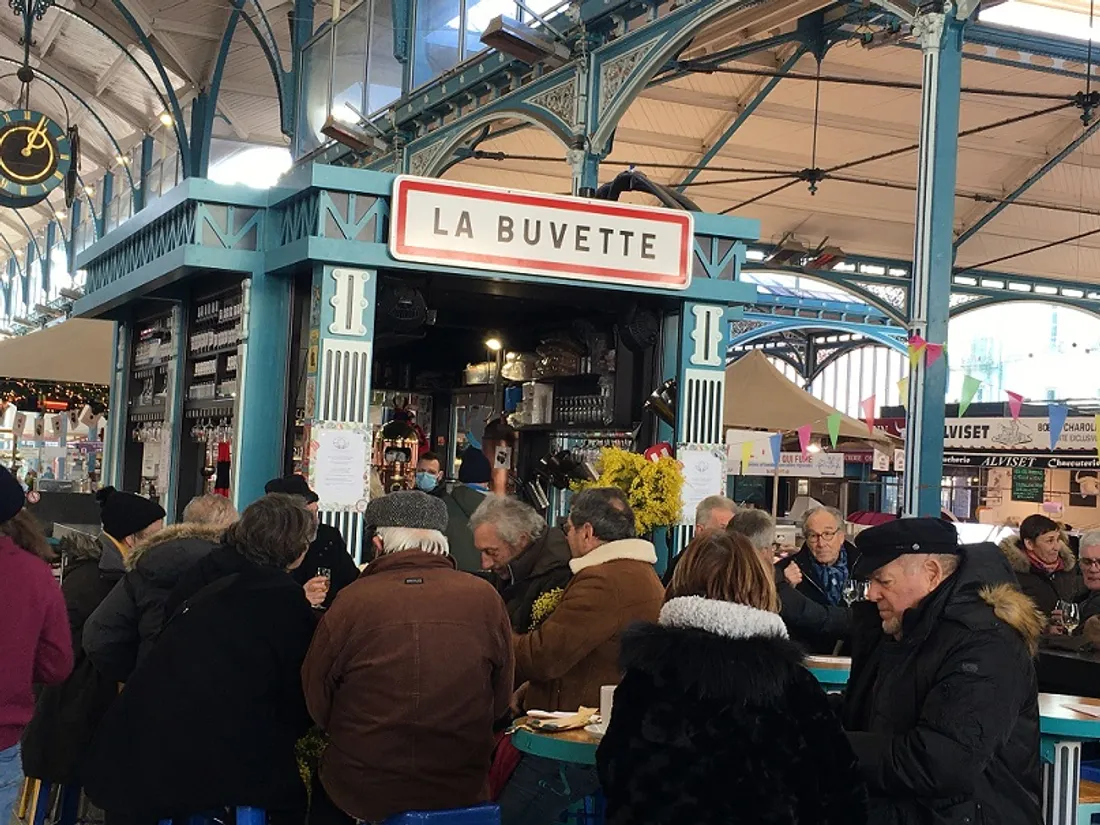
column 942, row 705
column 408, row 673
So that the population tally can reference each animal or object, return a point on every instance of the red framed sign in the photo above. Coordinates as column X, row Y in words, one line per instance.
column 503, row 230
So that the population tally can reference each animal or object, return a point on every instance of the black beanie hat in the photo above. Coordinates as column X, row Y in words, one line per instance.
column 124, row 514
column 11, row 495
column 475, row 468
column 295, row 485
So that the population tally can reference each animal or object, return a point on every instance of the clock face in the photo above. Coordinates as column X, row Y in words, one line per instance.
column 35, row 156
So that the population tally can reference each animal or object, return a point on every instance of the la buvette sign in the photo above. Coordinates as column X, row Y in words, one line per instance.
column 476, row 227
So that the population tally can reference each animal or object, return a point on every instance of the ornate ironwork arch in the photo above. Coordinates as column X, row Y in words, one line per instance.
column 894, row 340
column 972, row 303
column 882, row 302
column 435, row 158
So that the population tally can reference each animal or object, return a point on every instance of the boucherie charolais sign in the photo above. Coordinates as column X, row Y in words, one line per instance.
column 477, row 227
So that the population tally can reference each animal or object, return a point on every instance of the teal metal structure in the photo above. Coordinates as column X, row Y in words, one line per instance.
column 321, row 221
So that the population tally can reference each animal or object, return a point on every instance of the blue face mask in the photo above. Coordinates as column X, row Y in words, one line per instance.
column 426, row 481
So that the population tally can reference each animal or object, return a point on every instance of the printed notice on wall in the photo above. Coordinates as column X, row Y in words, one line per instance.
column 704, row 471
column 339, row 468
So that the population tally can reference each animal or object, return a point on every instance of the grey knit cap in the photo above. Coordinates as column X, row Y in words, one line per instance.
column 408, row 508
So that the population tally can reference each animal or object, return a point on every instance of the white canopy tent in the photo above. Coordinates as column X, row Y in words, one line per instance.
column 76, row 350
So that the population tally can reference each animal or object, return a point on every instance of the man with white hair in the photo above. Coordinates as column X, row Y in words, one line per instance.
column 806, row 620
column 1089, row 563
column 714, row 513
column 819, row 570
column 526, row 558
column 408, row 673
column 942, row 706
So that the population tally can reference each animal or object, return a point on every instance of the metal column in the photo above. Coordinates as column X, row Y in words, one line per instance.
column 941, row 36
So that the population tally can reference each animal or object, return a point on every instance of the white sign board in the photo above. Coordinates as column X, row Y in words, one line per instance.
column 704, row 475
column 455, row 224
column 1019, row 435
column 814, row 465
column 339, row 465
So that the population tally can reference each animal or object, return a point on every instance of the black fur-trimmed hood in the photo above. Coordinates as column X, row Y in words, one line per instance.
column 715, row 650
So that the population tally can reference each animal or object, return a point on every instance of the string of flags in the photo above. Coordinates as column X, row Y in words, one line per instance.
column 805, row 435
column 918, row 347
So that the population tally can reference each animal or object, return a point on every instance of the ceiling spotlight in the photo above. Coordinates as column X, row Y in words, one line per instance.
column 125, row 161
column 523, row 43
column 825, row 257
column 494, row 344
column 339, row 127
column 166, row 119
column 60, row 214
column 71, row 294
column 788, row 250
column 89, row 191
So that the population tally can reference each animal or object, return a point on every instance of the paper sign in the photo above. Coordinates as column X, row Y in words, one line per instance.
column 502, row 458
column 704, row 472
column 339, row 465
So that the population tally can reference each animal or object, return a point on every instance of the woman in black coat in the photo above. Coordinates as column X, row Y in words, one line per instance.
column 716, row 720
column 210, row 717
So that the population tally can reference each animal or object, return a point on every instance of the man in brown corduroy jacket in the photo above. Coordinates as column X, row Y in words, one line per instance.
column 575, row 651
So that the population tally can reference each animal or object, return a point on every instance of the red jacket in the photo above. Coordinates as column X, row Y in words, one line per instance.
column 35, row 645
column 408, row 671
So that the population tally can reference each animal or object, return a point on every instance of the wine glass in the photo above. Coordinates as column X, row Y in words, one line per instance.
column 326, row 574
column 1071, row 615
column 854, row 591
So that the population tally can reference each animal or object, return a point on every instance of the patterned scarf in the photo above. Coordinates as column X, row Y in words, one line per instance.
column 832, row 577
column 1046, row 567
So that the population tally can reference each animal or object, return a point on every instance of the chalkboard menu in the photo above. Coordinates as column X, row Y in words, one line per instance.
column 1028, row 483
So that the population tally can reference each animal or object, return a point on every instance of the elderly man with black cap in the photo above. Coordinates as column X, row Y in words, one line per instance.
column 327, row 568
column 408, row 672
column 942, row 706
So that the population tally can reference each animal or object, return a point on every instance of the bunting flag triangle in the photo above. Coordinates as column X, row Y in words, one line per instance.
column 1015, row 403
column 1056, row 414
column 777, row 448
column 804, row 433
column 867, row 405
column 746, row 457
column 970, row 388
column 916, row 346
column 903, row 391
column 833, row 422
column 932, row 353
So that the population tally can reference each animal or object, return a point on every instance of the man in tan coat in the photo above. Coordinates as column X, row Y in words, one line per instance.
column 408, row 672
column 575, row 651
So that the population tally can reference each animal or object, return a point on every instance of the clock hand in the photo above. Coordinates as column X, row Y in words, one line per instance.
column 36, row 139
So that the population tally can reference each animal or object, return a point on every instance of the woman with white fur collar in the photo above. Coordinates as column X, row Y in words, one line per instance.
column 716, row 720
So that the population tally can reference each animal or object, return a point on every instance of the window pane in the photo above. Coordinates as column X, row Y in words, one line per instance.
column 435, row 49
column 313, row 108
column 478, row 15
column 349, row 66
column 385, row 74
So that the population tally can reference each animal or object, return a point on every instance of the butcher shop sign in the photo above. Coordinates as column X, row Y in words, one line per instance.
column 476, row 227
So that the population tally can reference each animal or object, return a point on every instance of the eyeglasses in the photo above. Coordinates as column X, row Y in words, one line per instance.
column 1091, row 564
column 828, row 535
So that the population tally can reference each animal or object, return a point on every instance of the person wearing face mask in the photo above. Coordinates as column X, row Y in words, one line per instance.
column 429, row 474
column 328, row 553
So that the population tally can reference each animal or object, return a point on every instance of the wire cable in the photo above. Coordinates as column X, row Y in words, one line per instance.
column 1028, row 251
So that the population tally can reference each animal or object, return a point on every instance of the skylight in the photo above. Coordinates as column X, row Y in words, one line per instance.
column 1038, row 17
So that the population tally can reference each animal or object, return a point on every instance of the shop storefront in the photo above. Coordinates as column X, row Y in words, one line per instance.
column 346, row 321
column 999, row 469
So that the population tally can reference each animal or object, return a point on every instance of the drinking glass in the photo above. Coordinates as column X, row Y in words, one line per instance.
column 1071, row 615
column 855, row 591
column 326, row 574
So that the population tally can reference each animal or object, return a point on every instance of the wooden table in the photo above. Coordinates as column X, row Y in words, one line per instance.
column 576, row 746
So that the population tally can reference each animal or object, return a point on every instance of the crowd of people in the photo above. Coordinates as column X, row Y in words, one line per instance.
column 178, row 668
